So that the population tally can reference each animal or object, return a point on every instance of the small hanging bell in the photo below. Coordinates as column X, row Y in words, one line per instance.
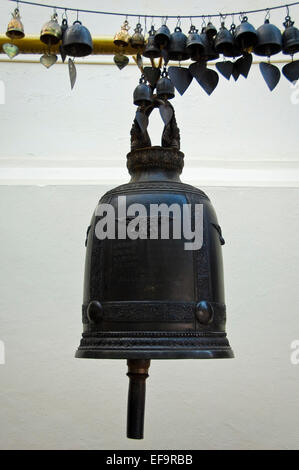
column 143, row 93
column 77, row 40
column 165, row 88
column 246, row 36
column 235, row 51
column 211, row 31
column 269, row 40
column 162, row 36
column 122, row 38
column 224, row 41
column 151, row 50
column 51, row 31
column 209, row 49
column 177, row 45
column 194, row 45
column 15, row 28
column 137, row 39
column 290, row 37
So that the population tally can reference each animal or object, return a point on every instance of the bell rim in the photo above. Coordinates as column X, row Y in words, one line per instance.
column 216, row 353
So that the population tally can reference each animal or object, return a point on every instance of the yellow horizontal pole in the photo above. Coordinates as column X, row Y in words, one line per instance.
column 102, row 45
column 32, row 45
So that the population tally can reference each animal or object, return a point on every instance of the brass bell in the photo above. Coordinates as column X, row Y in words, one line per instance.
column 122, row 38
column 142, row 94
column 224, row 41
column 209, row 48
column 162, row 36
column 290, row 37
column 51, row 32
column 165, row 88
column 77, row 41
column 15, row 28
column 211, row 31
column 246, row 35
column 177, row 45
column 194, row 45
column 151, row 49
column 269, row 40
column 137, row 39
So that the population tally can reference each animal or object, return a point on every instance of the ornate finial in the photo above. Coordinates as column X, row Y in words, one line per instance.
column 171, row 134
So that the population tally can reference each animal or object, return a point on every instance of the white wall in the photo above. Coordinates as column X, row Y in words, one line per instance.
column 60, row 150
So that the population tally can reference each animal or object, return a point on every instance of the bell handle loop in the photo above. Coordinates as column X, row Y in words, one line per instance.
column 177, row 29
column 77, row 22
column 267, row 16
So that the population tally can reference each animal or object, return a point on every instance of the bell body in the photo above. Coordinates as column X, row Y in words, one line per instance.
column 177, row 45
column 51, row 32
column 77, row 40
column 269, row 40
column 246, row 36
column 151, row 50
column 290, row 40
column 15, row 28
column 153, row 298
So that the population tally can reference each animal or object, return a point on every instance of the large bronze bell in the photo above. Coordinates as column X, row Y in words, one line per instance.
column 151, row 50
column 137, row 39
column 51, row 32
column 290, row 37
column 165, row 87
column 143, row 94
column 15, row 28
column 77, row 41
column 194, row 45
column 246, row 35
column 269, row 40
column 209, row 48
column 177, row 45
column 149, row 296
column 162, row 36
column 224, row 41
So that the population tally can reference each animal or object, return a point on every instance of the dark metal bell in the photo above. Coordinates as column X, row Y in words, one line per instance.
column 194, row 45
column 151, row 50
column 177, row 45
column 162, row 36
column 77, row 41
column 211, row 31
column 209, row 49
column 246, row 35
column 137, row 39
column 290, row 37
column 142, row 94
column 165, row 87
column 235, row 51
column 269, row 40
column 151, row 297
column 224, row 41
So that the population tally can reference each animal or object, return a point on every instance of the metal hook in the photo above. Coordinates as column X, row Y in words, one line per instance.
column 267, row 16
column 178, row 24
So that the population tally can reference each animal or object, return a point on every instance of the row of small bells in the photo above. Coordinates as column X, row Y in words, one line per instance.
column 75, row 40
column 202, row 47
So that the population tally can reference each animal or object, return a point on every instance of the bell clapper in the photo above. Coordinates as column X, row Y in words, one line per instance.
column 137, row 373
